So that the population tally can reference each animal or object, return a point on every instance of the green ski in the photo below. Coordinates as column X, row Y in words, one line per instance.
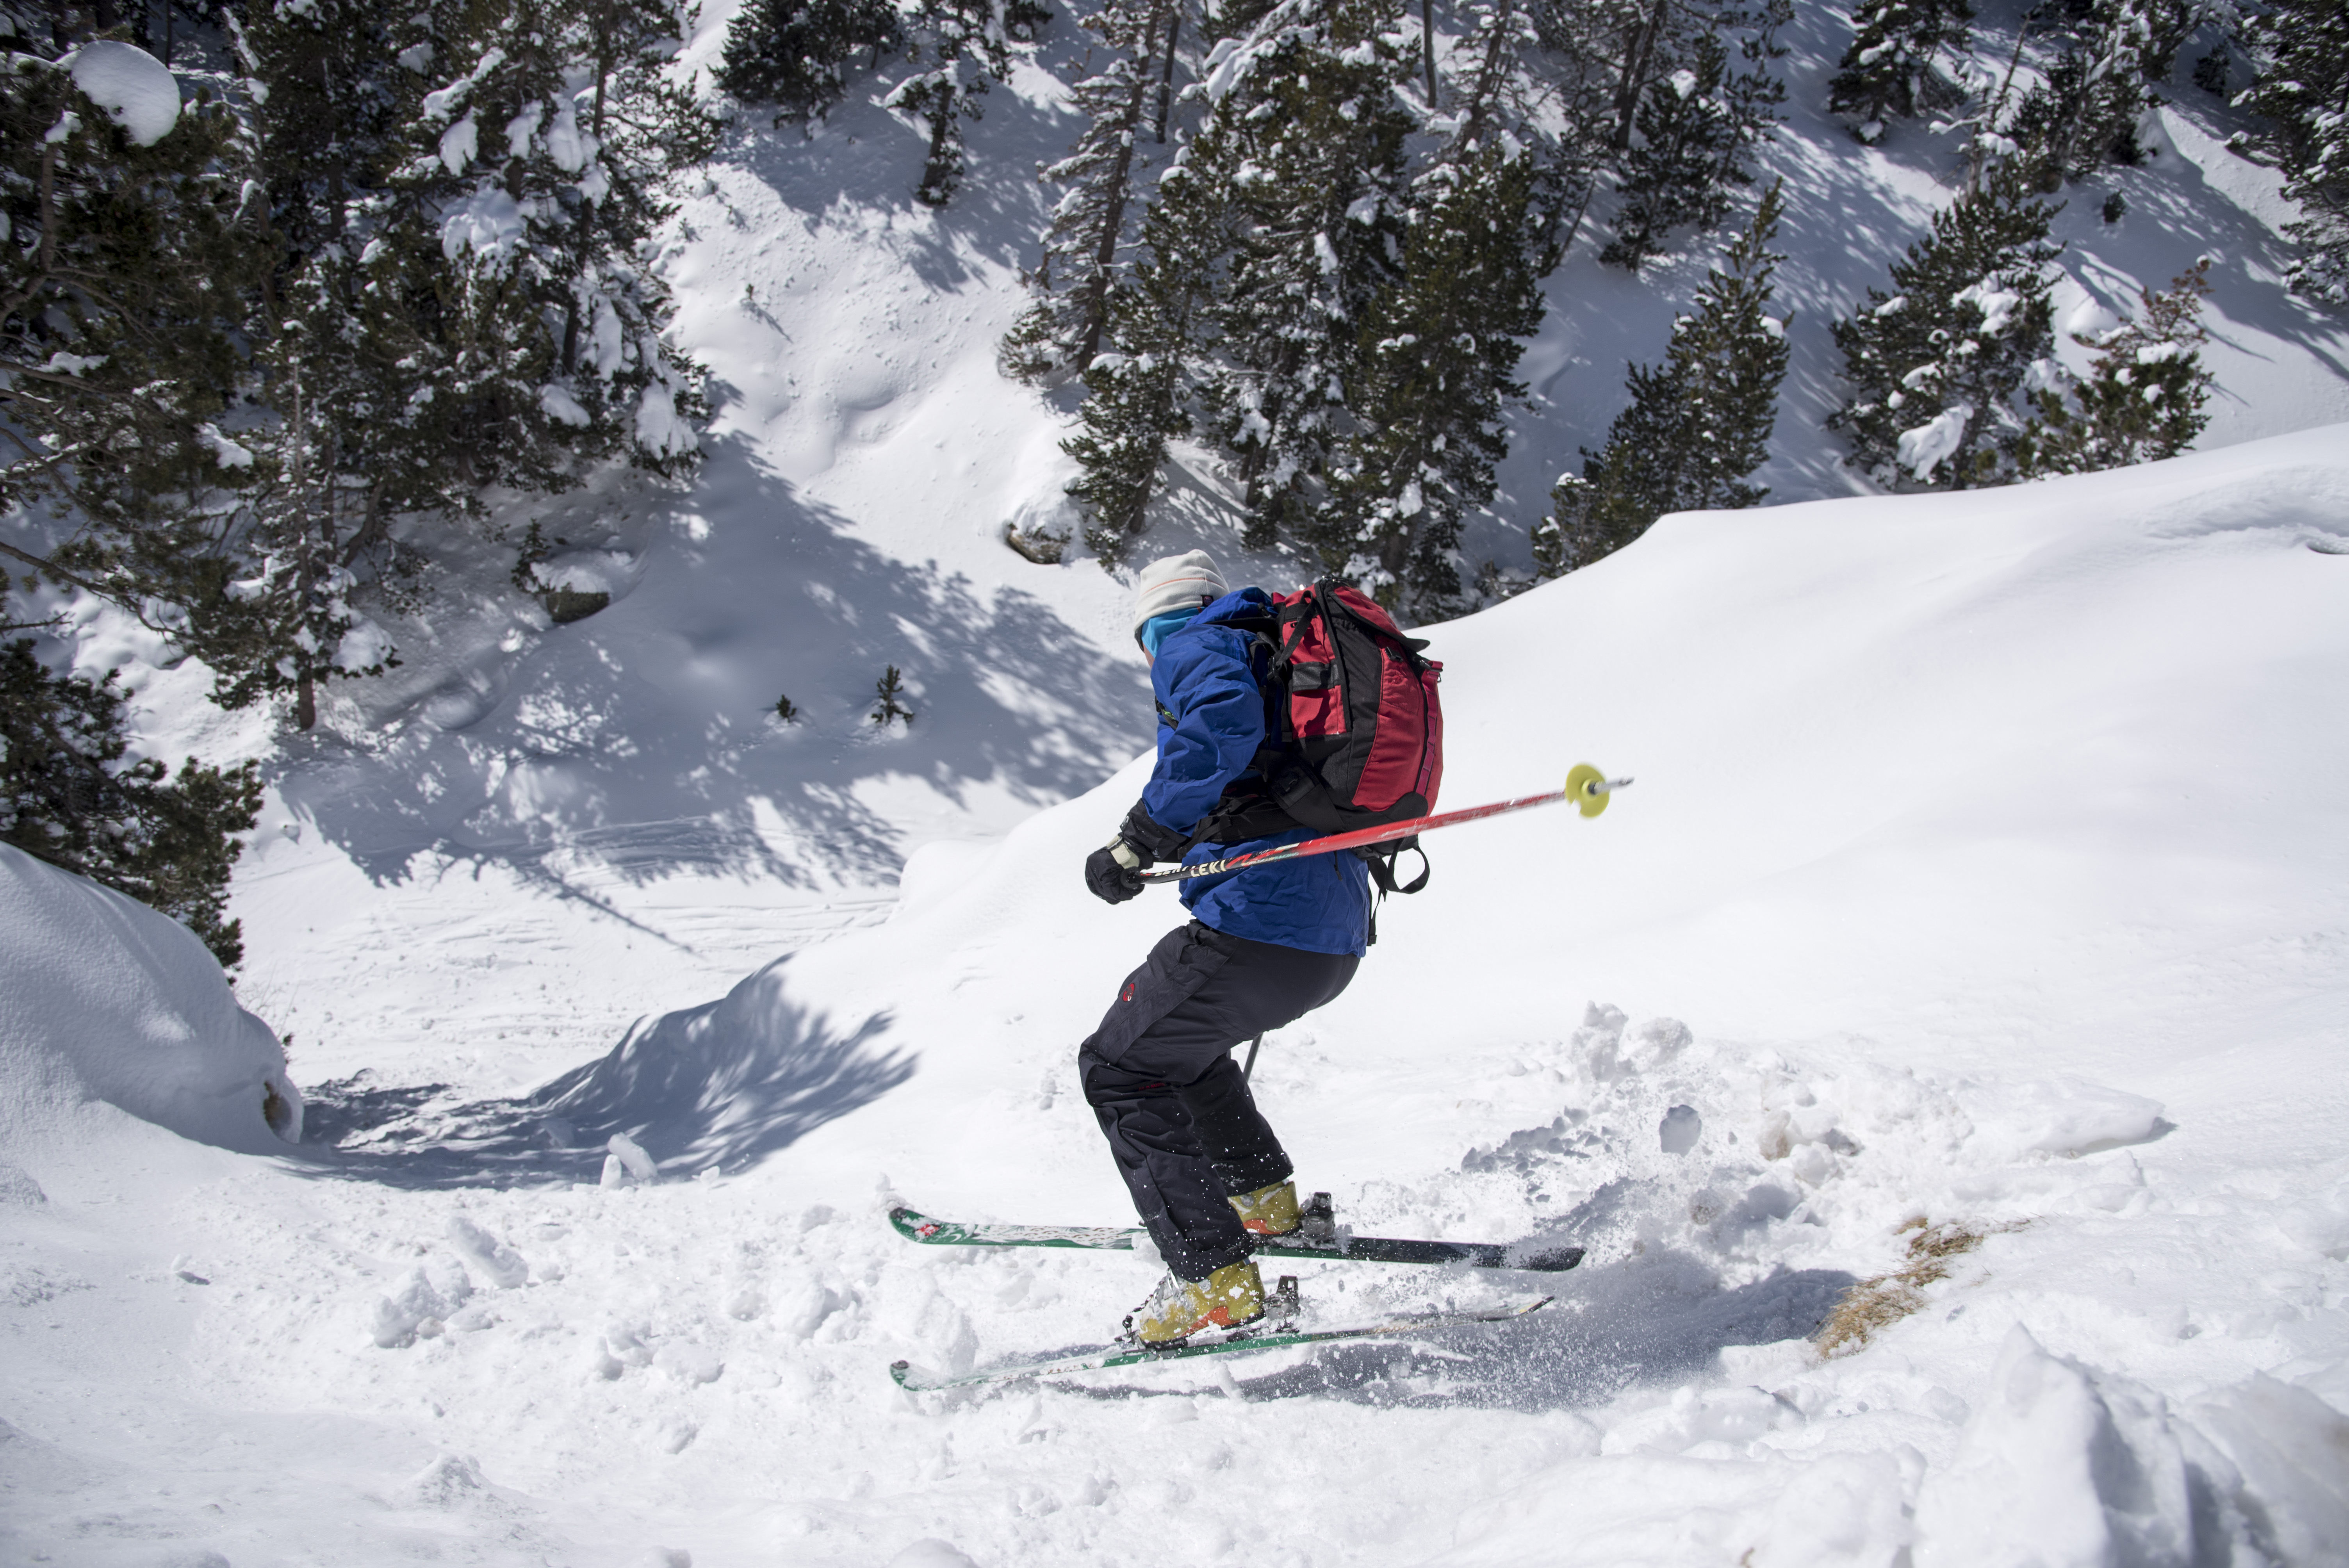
column 916, row 1380
column 1319, row 1237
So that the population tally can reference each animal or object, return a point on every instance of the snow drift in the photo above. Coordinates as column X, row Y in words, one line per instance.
column 102, row 998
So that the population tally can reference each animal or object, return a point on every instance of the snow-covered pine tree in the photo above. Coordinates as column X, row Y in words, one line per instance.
column 1063, row 328
column 504, row 276
column 69, row 797
column 2144, row 398
column 1697, row 131
column 2084, row 116
column 130, row 266
column 966, row 43
column 1529, row 70
column 2301, row 92
column 1698, row 424
column 1138, row 394
column 1435, row 371
column 1892, row 68
column 1311, row 137
column 800, row 55
column 1935, row 365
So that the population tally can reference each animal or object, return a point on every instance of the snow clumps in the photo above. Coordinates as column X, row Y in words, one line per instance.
column 132, row 86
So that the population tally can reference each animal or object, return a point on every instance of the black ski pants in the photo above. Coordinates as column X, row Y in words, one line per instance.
column 1158, row 1073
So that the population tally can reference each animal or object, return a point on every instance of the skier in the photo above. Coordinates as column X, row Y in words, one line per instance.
column 1265, row 945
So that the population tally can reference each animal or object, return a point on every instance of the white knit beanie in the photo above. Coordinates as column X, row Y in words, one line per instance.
column 1185, row 582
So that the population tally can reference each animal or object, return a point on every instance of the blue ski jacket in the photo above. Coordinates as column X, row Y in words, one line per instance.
column 1212, row 718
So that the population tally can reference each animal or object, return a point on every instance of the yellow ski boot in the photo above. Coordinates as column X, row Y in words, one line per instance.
column 1228, row 1298
column 1268, row 1211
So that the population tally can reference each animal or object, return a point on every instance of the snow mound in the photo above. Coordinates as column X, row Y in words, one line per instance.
column 102, row 998
column 130, row 85
column 717, row 1086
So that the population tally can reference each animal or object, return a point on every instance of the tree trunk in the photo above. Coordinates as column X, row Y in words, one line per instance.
column 1166, row 82
column 1639, row 49
column 932, row 188
column 1427, row 45
column 1112, row 224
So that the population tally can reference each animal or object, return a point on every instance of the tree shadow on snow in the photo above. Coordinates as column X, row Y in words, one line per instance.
column 642, row 742
column 713, row 1088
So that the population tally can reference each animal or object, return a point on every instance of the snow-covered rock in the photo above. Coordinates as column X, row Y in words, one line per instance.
column 102, row 998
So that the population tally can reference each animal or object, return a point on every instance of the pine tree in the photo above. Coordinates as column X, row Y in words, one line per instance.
column 799, row 55
column 1935, row 366
column 1697, row 130
column 2144, row 398
column 1063, row 328
column 69, row 796
column 1892, row 66
column 1698, row 424
column 1271, row 236
column 966, row 42
column 2084, row 115
column 133, row 264
column 1312, row 146
column 1139, row 395
column 1442, row 345
column 2301, row 92
column 500, row 290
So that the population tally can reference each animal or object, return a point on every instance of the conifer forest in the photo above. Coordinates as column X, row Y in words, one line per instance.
column 315, row 309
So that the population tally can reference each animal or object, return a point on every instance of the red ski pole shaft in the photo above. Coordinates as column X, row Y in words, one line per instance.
column 1585, row 786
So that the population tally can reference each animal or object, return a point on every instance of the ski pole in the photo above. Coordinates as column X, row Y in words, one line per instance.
column 1586, row 787
column 1247, row 1068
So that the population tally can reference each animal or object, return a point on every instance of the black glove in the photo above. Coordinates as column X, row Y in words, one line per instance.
column 1155, row 842
column 1112, row 879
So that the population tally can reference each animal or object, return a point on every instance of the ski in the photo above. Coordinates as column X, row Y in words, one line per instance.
column 916, row 1380
column 1318, row 1237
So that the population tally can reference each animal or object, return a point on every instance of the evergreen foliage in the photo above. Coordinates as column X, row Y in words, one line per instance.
column 1063, row 328
column 966, row 43
column 1270, row 238
column 1698, row 424
column 889, row 689
column 1891, row 68
column 127, row 274
column 2084, row 116
column 1436, row 371
column 798, row 54
column 1697, row 129
column 2301, row 92
column 68, row 797
column 1935, row 366
column 2144, row 398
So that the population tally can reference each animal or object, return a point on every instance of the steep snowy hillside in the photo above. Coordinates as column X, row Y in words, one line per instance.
column 1981, row 893
column 616, row 800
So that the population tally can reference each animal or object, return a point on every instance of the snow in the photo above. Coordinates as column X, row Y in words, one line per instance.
column 1926, row 448
column 132, row 86
column 103, row 999
column 1983, row 879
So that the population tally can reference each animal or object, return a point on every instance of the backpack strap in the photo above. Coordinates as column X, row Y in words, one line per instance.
column 1382, row 858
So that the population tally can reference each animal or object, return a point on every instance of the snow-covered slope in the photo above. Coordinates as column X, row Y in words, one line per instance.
column 614, row 799
column 1982, row 887
column 102, row 999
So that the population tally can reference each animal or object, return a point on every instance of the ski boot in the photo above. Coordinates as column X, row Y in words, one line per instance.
column 1231, row 1297
column 1268, row 1211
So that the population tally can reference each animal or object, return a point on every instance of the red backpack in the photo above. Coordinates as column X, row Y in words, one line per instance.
column 1357, row 735
column 1361, row 728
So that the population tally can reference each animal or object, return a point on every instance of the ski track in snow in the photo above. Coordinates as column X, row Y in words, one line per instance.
column 1988, row 847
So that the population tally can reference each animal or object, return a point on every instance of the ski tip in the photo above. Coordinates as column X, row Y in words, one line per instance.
column 912, row 1226
column 1550, row 1259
